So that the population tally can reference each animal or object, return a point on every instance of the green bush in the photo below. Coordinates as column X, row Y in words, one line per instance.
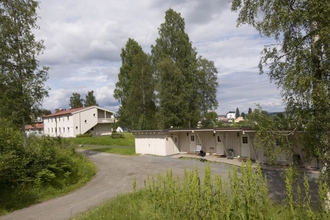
column 46, row 166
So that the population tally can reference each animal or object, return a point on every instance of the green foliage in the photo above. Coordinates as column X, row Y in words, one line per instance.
column 174, row 108
column 186, row 86
column 171, row 85
column 210, row 120
column 298, row 62
column 237, row 114
column 22, row 86
column 76, row 101
column 45, row 168
column 207, row 84
column 90, row 99
column 271, row 135
column 135, row 88
column 210, row 197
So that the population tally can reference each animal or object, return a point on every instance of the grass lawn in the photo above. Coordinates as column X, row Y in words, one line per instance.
column 127, row 140
column 123, row 146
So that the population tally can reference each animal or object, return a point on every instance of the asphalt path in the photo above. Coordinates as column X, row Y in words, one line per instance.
column 115, row 176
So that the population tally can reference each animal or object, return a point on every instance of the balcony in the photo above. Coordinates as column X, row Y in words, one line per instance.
column 105, row 120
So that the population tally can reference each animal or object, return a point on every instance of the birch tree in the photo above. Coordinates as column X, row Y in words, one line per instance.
column 135, row 88
column 298, row 62
column 22, row 81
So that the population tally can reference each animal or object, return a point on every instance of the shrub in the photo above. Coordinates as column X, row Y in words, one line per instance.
column 46, row 163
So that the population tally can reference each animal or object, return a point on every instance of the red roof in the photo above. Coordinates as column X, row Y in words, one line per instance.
column 64, row 112
column 34, row 126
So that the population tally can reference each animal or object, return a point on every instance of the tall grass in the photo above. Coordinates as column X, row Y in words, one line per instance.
column 245, row 196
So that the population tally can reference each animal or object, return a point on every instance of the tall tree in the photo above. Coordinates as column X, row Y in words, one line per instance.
column 76, row 101
column 135, row 88
column 90, row 99
column 22, row 86
column 174, row 108
column 174, row 48
column 141, row 101
column 207, row 84
column 237, row 114
column 298, row 62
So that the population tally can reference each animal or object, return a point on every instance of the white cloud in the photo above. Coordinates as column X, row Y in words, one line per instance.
column 83, row 42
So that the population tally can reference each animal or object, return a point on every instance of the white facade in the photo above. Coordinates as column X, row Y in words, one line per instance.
column 231, row 116
column 218, row 141
column 156, row 143
column 72, row 122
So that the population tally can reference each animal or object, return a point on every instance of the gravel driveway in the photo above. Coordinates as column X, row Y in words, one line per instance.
column 115, row 176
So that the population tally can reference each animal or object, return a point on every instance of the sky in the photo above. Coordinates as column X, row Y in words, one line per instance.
column 83, row 41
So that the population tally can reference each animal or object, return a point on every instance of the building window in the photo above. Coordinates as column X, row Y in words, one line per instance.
column 192, row 138
column 219, row 139
column 52, row 130
column 245, row 140
column 76, row 127
column 48, row 130
column 63, row 129
column 51, row 120
column 68, row 129
column 86, row 121
column 67, row 118
column 59, row 130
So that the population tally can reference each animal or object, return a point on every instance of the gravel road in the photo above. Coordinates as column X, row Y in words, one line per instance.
column 115, row 176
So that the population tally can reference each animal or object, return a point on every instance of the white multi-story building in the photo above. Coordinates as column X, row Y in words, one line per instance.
column 72, row 122
column 231, row 116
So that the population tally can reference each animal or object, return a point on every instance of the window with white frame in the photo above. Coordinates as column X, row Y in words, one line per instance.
column 245, row 140
column 192, row 138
